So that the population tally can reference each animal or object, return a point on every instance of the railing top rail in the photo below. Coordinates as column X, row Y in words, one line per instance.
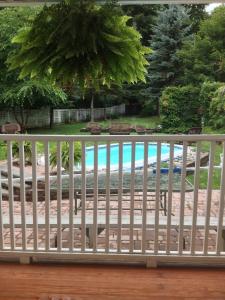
column 113, row 138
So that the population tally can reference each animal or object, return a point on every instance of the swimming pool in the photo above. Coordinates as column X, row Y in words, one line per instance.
column 127, row 152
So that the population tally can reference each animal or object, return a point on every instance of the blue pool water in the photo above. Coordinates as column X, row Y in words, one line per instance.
column 127, row 152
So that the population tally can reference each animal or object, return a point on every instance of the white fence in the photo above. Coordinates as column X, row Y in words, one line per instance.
column 41, row 117
column 131, row 215
column 71, row 115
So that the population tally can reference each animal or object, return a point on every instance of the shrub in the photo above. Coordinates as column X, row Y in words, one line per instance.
column 27, row 151
column 65, row 155
column 206, row 95
column 217, row 109
column 149, row 108
column 180, row 108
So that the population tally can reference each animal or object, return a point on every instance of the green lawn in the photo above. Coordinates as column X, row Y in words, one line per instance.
column 217, row 172
column 67, row 129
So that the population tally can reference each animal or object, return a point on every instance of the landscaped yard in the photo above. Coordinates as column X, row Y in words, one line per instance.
column 74, row 129
column 68, row 129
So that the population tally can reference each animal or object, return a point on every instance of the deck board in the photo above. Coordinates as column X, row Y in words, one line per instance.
column 96, row 282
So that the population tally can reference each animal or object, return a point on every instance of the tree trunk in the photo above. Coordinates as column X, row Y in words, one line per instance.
column 92, row 106
column 51, row 115
column 158, row 108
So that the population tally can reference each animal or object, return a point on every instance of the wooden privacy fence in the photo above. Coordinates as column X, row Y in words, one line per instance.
column 126, row 210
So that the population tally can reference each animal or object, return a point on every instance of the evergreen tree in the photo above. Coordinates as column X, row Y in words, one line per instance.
column 197, row 13
column 171, row 30
column 143, row 18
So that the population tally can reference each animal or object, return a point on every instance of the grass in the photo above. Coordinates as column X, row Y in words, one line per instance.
column 71, row 129
column 205, row 147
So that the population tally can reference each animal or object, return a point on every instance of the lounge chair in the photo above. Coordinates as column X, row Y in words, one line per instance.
column 91, row 125
column 194, row 130
column 140, row 129
column 120, row 128
column 11, row 128
column 96, row 130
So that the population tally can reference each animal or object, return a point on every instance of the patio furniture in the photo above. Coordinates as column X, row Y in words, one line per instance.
column 194, row 130
column 91, row 125
column 10, row 128
column 138, row 184
column 140, row 129
column 120, row 128
column 96, row 130
column 114, row 187
column 149, row 130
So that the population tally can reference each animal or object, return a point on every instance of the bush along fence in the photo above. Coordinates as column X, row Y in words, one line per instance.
column 41, row 117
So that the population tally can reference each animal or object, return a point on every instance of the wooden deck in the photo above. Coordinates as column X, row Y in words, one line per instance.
column 82, row 282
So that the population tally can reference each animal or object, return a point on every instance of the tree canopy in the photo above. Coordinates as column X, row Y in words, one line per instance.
column 204, row 57
column 172, row 28
column 11, row 20
column 81, row 42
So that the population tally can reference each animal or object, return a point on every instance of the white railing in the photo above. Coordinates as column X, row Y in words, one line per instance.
column 136, row 215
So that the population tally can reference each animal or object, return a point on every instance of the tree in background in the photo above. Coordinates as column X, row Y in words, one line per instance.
column 78, row 42
column 21, row 95
column 169, row 34
column 196, row 13
column 32, row 94
column 204, row 58
column 143, row 18
column 11, row 20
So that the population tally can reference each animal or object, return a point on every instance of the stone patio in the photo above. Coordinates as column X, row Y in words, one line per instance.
column 101, row 241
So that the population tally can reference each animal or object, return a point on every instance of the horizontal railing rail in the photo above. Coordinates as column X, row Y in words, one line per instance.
column 124, row 199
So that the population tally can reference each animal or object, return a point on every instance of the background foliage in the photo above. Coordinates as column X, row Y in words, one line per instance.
column 180, row 109
column 80, row 42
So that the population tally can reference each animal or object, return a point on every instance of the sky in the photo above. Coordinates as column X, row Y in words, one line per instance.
column 210, row 7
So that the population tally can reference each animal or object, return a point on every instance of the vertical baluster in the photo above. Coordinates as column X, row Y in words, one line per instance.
column 120, row 192
column 59, row 196
column 11, row 195
column 145, row 191
column 22, row 195
column 34, row 194
column 209, row 197
column 221, row 206
column 182, row 199
column 132, row 189
column 107, row 195
column 170, row 194
column 195, row 198
column 95, row 216
column 1, row 216
column 83, row 198
column 157, row 200
column 71, row 194
column 47, row 197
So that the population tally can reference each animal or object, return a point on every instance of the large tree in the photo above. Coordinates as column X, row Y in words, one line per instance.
column 169, row 34
column 143, row 18
column 204, row 57
column 11, row 20
column 197, row 13
column 20, row 95
column 79, row 42
column 30, row 94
